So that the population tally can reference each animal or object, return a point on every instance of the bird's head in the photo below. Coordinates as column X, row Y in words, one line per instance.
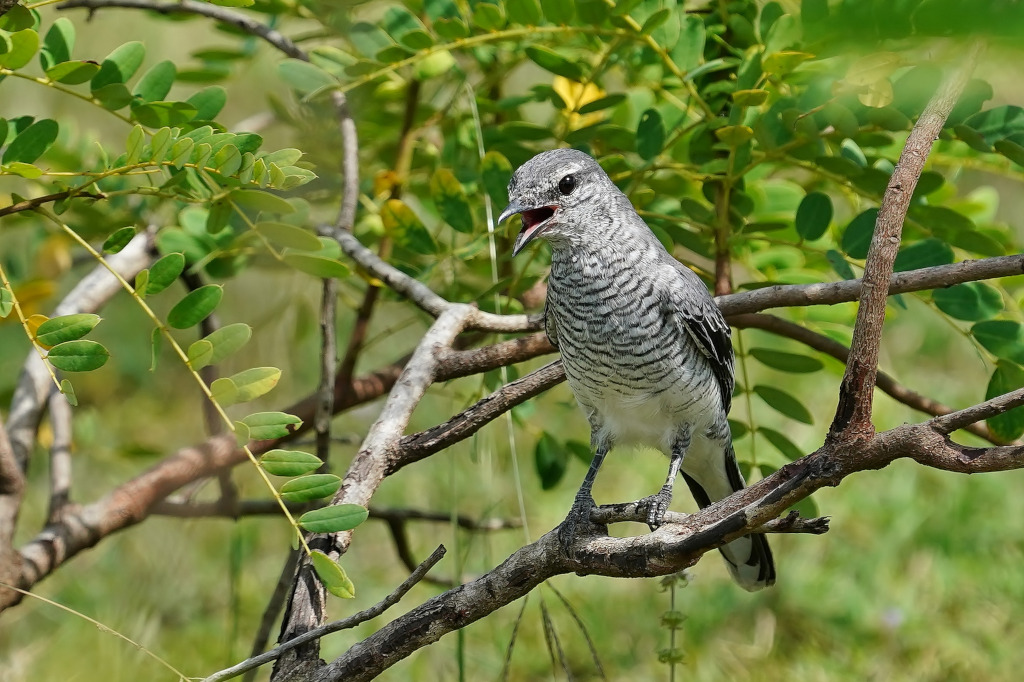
column 554, row 192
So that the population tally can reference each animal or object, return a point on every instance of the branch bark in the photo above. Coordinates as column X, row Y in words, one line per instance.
column 853, row 414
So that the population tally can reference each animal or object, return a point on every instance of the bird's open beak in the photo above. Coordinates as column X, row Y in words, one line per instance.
column 535, row 220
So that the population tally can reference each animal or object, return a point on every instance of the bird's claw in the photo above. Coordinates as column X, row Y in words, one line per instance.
column 657, row 507
column 578, row 516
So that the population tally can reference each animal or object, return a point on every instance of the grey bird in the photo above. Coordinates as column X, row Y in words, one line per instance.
column 646, row 350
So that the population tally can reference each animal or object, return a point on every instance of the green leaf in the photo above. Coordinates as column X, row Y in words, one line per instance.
column 335, row 518
column 156, row 340
column 784, row 403
column 857, row 236
column 311, row 487
column 450, row 199
column 1002, row 338
column 551, row 461
column 163, row 272
column 734, row 136
column 160, row 114
column 970, row 301
column 73, row 73
column 78, row 356
column 119, row 239
column 113, row 96
column 161, row 144
column 257, row 200
column 227, row 160
column 488, row 17
column 332, row 575
column 786, row 362
column 602, row 103
column 650, row 135
column 813, row 215
column 749, row 98
column 69, row 392
column 290, row 462
column 224, row 392
column 405, row 227
column 923, row 254
column 304, row 77
column 524, row 12
column 250, row 384
column 996, row 123
column 318, row 266
column 558, row 11
column 495, row 172
column 181, row 151
column 233, row 3
column 157, row 81
column 285, row 235
column 32, row 142
column 839, row 264
column 57, row 330
column 195, row 306
column 24, row 45
column 549, row 60
column 6, row 302
column 58, row 43
column 688, row 51
column 268, row 425
column 136, row 141
column 208, row 102
column 1006, row 377
column 218, row 345
column 120, row 65
column 437, row 64
column 25, row 170
column 783, row 444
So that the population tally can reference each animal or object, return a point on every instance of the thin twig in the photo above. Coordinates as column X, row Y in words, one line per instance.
column 344, row 624
column 36, row 202
column 273, row 608
column 239, row 21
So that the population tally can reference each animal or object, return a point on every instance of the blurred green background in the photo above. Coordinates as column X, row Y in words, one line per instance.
column 918, row 578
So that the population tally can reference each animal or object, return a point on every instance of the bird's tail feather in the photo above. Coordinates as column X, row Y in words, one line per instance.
column 749, row 558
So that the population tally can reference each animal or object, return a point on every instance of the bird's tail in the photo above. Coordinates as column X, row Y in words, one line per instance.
column 749, row 558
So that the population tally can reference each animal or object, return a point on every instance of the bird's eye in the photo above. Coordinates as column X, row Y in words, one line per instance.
column 567, row 184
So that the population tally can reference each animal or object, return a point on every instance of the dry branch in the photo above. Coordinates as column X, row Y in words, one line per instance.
column 853, row 414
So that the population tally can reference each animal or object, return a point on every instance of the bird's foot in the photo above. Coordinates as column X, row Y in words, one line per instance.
column 578, row 519
column 657, row 506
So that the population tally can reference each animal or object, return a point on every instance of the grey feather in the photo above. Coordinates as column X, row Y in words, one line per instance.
column 646, row 351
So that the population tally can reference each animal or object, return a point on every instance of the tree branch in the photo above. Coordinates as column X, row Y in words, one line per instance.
column 60, row 456
column 828, row 293
column 883, row 382
column 674, row 546
column 853, row 414
column 350, row 622
column 239, row 21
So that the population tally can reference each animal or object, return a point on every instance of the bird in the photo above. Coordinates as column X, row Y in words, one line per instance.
column 646, row 350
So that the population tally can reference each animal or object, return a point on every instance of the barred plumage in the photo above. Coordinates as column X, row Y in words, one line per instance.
column 646, row 351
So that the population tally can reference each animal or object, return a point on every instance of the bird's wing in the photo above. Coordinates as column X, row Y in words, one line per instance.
column 691, row 306
column 549, row 326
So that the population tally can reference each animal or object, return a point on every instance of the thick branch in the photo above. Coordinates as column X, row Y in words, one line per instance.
column 853, row 414
column 367, row 471
column 417, row 446
column 671, row 548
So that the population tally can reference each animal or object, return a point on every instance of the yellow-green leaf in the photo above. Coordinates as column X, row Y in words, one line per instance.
column 332, row 576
